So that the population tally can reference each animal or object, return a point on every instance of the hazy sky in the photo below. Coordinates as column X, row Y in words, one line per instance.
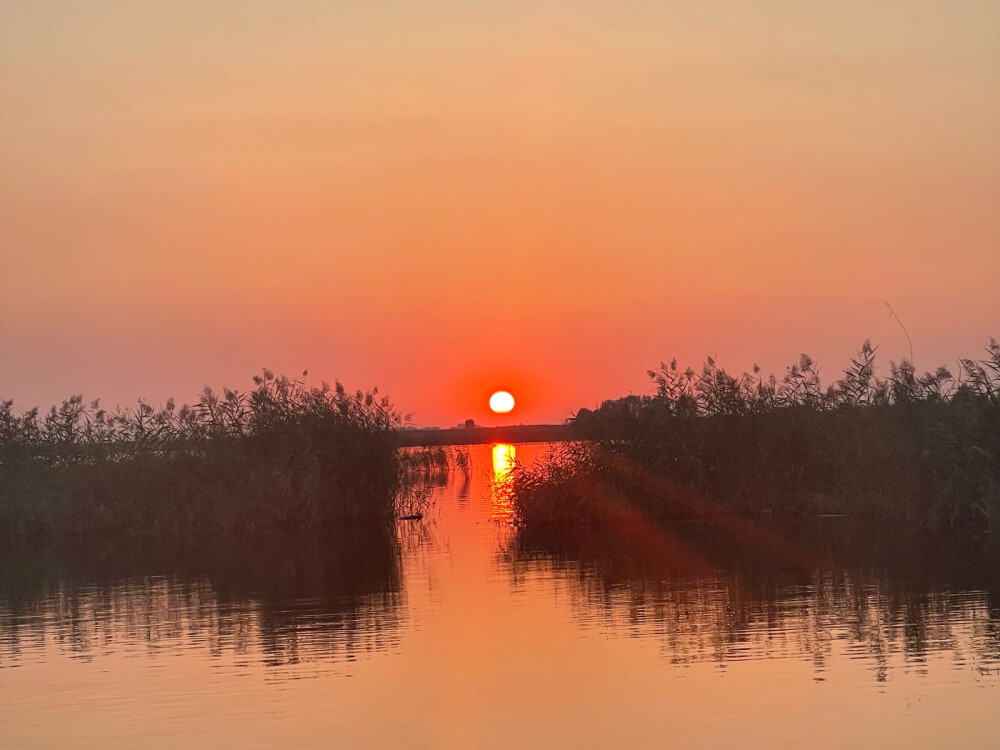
column 441, row 198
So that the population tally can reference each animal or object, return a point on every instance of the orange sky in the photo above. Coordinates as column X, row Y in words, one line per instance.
column 547, row 196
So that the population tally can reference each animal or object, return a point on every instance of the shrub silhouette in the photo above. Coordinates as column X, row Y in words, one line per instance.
column 281, row 454
column 921, row 448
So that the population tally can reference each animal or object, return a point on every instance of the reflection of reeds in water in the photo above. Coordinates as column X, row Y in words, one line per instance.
column 918, row 448
column 276, row 600
column 721, row 593
column 282, row 454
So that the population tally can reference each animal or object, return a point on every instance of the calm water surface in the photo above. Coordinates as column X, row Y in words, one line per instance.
column 461, row 632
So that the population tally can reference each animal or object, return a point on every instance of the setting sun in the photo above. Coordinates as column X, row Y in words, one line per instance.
column 501, row 402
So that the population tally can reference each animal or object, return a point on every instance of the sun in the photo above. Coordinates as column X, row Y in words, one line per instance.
column 501, row 402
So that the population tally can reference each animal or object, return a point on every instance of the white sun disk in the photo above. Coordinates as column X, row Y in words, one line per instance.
column 501, row 402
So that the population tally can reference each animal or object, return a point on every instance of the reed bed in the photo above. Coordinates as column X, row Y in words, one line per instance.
column 921, row 449
column 435, row 463
column 282, row 454
column 424, row 468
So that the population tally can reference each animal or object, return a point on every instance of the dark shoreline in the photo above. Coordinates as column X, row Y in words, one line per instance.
column 522, row 433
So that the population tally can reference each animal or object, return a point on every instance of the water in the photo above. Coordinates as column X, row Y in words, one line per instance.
column 461, row 632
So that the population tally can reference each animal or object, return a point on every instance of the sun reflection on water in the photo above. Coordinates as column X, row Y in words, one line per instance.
column 504, row 457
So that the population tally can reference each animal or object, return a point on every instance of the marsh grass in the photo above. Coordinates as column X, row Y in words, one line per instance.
column 283, row 454
column 424, row 468
column 922, row 449
column 435, row 463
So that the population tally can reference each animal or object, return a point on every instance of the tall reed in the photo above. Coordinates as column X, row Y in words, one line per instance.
column 921, row 448
column 280, row 454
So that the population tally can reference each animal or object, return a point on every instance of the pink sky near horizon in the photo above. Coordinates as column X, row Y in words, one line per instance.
column 448, row 198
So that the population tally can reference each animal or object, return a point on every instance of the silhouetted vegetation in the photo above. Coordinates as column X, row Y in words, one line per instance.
column 434, row 464
column 283, row 454
column 425, row 468
column 920, row 448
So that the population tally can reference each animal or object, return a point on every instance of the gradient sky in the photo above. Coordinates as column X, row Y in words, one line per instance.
column 444, row 198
